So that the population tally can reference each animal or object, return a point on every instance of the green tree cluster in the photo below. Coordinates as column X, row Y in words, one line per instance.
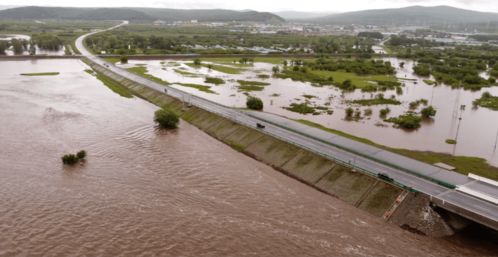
column 72, row 159
column 254, row 103
column 166, row 118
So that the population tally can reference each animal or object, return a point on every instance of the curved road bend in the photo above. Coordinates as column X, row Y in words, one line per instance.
column 442, row 196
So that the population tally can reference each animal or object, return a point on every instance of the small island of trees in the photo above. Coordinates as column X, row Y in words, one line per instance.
column 72, row 159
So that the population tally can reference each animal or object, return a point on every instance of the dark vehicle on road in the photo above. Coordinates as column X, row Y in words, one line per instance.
column 260, row 126
column 385, row 177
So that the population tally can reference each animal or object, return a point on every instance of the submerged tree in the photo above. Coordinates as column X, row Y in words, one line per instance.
column 428, row 112
column 72, row 159
column 124, row 59
column 166, row 118
column 349, row 113
column 254, row 103
column 18, row 46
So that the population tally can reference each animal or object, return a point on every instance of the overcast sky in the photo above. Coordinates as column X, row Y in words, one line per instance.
column 266, row 5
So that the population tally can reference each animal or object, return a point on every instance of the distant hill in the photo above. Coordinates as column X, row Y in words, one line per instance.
column 414, row 16
column 209, row 15
column 295, row 15
column 144, row 14
column 3, row 7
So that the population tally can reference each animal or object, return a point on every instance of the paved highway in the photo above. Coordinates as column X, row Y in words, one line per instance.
column 350, row 153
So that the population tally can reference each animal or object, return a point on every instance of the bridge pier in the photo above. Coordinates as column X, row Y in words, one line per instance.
column 416, row 214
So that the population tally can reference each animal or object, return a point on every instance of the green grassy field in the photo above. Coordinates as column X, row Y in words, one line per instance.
column 487, row 101
column 112, row 59
column 250, row 88
column 186, row 73
column 111, row 84
column 376, row 101
column 142, row 71
column 252, row 83
column 203, row 88
column 213, row 80
column 463, row 164
column 360, row 82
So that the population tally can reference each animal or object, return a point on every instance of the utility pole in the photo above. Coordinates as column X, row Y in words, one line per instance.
column 462, row 109
column 496, row 140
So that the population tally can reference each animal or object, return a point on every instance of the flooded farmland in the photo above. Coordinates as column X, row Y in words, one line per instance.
column 143, row 192
column 476, row 134
column 10, row 51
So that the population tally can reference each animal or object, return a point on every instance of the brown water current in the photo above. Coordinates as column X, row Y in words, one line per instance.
column 143, row 192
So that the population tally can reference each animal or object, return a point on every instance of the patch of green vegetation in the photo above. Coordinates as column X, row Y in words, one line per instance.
column 254, row 103
column 366, row 83
column 124, row 59
column 237, row 147
column 463, row 164
column 149, row 39
column 114, row 86
column 72, row 159
column 368, row 112
column 213, row 80
column 451, row 141
column 263, row 76
column 305, row 76
column 237, row 62
column 342, row 79
column 458, row 67
column 166, row 118
column 90, row 71
column 271, row 60
column 206, row 89
column 250, row 88
column 406, row 121
column 220, row 68
column 142, row 71
column 487, row 101
column 378, row 100
column 67, row 50
column 302, row 108
column 112, row 59
column 415, row 104
column 252, row 83
column 384, row 112
column 41, row 74
column 430, row 82
column 309, row 96
column 428, row 112
column 186, row 73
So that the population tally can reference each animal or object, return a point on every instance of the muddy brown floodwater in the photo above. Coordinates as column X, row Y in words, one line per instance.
column 143, row 192
column 478, row 128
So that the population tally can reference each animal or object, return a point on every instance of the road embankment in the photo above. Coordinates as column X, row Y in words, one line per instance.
column 366, row 192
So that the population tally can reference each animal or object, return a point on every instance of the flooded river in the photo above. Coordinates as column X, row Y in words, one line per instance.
column 144, row 192
column 477, row 133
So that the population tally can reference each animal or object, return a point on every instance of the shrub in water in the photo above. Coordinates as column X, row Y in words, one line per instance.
column 254, row 103
column 428, row 112
column 69, row 159
column 166, row 119
column 81, row 154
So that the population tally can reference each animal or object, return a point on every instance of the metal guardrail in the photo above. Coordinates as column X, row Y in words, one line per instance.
column 439, row 182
